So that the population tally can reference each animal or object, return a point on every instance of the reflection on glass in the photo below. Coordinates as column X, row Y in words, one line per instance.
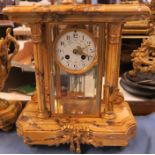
column 77, row 93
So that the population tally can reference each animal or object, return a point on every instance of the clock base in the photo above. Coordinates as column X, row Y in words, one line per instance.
column 76, row 130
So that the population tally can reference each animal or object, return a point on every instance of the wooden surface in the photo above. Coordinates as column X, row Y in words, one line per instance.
column 142, row 108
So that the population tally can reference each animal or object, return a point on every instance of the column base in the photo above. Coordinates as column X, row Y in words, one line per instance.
column 109, row 116
column 45, row 114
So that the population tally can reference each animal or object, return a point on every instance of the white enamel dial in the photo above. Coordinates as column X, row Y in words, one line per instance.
column 75, row 51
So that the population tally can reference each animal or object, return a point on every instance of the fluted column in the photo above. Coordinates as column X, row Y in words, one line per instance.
column 39, row 69
column 112, row 67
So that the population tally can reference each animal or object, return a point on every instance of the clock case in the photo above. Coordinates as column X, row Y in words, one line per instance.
column 113, row 123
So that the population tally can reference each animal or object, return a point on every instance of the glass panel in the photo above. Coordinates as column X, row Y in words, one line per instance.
column 77, row 93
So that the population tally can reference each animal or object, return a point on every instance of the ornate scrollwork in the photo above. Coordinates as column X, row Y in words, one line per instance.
column 5, row 61
column 144, row 58
column 76, row 133
column 56, row 17
column 114, row 39
column 116, row 97
column 9, row 110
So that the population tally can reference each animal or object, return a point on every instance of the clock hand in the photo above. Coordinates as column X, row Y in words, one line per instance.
column 80, row 51
column 82, row 48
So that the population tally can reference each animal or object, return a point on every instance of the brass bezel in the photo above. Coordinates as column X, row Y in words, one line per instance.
column 84, row 69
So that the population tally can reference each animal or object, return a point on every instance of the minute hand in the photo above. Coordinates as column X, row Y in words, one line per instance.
column 80, row 51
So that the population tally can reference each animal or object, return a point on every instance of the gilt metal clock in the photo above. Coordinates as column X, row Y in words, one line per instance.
column 77, row 70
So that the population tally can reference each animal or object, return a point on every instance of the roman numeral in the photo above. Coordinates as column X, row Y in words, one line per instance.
column 83, row 37
column 90, row 57
column 75, row 35
column 59, row 50
column 68, row 37
column 62, row 58
column 62, row 43
column 88, row 43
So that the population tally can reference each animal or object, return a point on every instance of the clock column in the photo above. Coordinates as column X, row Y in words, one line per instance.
column 112, row 65
column 39, row 69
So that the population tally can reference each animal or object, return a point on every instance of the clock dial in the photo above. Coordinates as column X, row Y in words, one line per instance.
column 75, row 51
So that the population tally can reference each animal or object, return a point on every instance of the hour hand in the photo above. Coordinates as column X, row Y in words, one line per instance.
column 79, row 51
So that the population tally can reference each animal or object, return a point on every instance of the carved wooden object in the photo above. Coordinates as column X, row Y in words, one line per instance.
column 144, row 58
column 113, row 124
column 141, row 80
column 9, row 110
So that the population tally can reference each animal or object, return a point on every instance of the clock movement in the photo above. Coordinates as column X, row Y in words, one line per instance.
column 77, row 58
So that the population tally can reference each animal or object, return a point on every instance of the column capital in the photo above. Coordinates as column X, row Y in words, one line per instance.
column 114, row 32
column 36, row 32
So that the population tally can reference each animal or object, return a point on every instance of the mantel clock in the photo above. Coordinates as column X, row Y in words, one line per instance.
column 77, row 57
